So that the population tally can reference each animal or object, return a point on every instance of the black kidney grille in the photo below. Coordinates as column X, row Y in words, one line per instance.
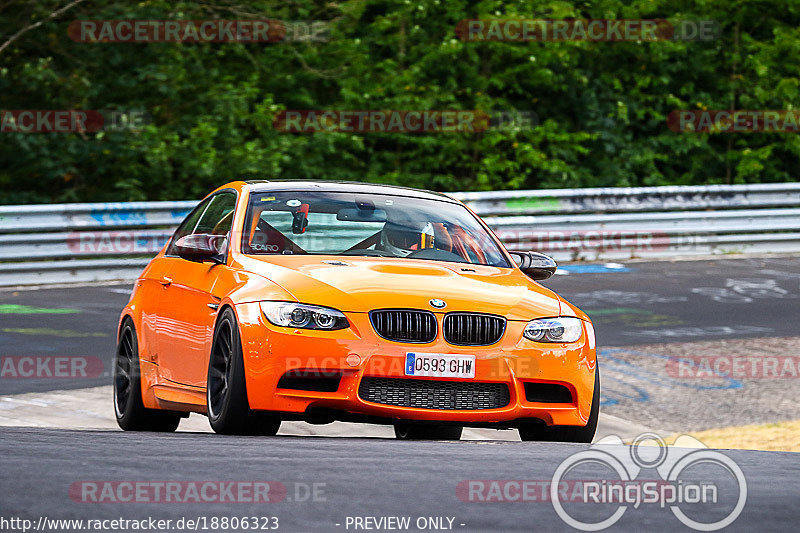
column 432, row 394
column 404, row 325
column 473, row 329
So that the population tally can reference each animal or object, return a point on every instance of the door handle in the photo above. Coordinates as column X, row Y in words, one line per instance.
column 166, row 282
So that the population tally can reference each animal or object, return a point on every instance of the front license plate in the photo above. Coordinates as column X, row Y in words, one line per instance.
column 441, row 365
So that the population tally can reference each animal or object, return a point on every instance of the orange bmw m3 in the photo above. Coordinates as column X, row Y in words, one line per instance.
column 323, row 301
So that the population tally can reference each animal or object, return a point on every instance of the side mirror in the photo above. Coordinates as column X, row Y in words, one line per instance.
column 535, row 265
column 202, row 247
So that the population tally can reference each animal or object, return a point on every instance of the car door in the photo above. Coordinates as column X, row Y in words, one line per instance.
column 149, row 289
column 154, row 280
column 189, row 309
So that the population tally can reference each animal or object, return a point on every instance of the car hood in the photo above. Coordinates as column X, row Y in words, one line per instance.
column 361, row 284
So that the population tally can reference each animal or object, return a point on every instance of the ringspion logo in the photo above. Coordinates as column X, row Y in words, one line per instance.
column 704, row 489
column 678, row 491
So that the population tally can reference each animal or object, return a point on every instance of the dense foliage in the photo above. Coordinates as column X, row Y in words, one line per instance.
column 602, row 107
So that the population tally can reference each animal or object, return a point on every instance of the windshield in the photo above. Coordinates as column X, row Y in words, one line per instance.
column 366, row 225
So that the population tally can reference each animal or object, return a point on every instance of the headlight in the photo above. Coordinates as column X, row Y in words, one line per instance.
column 561, row 329
column 294, row 315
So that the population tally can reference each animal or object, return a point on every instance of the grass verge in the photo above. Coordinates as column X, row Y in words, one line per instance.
column 780, row 436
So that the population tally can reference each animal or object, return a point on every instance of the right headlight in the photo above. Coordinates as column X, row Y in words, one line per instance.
column 297, row 315
column 561, row 329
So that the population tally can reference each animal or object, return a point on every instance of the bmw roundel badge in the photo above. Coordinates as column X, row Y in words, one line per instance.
column 437, row 303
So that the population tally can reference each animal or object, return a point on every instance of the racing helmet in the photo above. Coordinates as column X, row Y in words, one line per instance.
column 402, row 238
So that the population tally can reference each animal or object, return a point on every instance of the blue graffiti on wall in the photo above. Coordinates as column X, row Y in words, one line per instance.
column 637, row 393
column 105, row 217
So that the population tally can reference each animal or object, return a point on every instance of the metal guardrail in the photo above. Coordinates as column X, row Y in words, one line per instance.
column 610, row 200
column 102, row 241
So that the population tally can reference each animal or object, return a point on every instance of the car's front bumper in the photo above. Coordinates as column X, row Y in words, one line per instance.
column 352, row 354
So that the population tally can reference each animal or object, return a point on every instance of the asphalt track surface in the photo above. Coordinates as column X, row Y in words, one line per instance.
column 359, row 477
column 631, row 304
column 374, row 477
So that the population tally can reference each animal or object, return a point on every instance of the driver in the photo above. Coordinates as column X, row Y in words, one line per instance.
column 403, row 238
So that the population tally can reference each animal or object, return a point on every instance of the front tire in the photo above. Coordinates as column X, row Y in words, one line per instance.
column 129, row 409
column 409, row 431
column 584, row 434
column 229, row 412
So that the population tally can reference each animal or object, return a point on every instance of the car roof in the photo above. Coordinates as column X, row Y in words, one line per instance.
column 344, row 186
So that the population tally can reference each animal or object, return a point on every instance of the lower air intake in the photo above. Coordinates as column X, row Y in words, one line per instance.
column 547, row 393
column 431, row 394
column 311, row 380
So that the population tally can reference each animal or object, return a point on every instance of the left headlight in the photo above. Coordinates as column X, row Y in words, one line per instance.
column 561, row 329
column 295, row 315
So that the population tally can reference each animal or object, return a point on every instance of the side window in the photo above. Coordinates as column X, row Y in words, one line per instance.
column 218, row 218
column 188, row 225
column 214, row 215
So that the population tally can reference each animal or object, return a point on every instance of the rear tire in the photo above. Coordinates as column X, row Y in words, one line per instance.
column 583, row 434
column 409, row 431
column 229, row 412
column 129, row 409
